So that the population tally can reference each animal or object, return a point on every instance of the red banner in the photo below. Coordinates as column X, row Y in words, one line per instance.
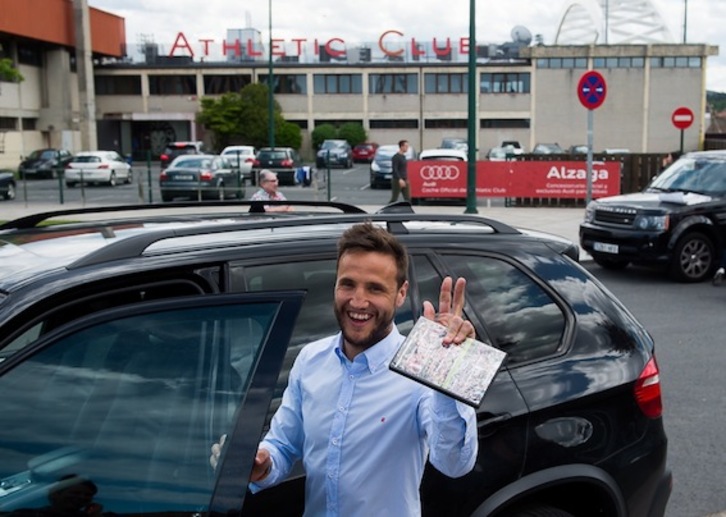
column 447, row 179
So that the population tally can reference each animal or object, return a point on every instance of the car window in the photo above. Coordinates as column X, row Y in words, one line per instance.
column 131, row 405
column 192, row 163
column 47, row 155
column 272, row 155
column 87, row 159
column 520, row 316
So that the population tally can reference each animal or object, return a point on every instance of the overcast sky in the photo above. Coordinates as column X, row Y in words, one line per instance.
column 358, row 21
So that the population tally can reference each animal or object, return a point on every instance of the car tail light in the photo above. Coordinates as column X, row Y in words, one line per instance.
column 256, row 162
column 286, row 163
column 164, row 157
column 69, row 165
column 252, row 160
column 205, row 175
column 103, row 166
column 163, row 176
column 647, row 390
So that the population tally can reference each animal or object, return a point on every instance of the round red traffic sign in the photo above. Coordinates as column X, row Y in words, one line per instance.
column 591, row 90
column 682, row 118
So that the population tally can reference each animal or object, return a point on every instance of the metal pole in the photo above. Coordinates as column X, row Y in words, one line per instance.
column 588, row 198
column 270, row 86
column 685, row 22
column 148, row 176
column 472, row 115
column 682, row 131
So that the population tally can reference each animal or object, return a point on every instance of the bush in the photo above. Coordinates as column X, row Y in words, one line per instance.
column 321, row 133
column 353, row 132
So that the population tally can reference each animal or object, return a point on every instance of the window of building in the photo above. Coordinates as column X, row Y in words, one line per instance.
column 394, row 124
column 10, row 123
column 29, row 54
column 287, row 83
column 580, row 62
column 505, row 83
column 336, row 122
column 611, row 62
column 694, row 62
column 118, row 84
column 543, row 63
column 507, row 123
column 219, row 84
column 681, row 62
column 669, row 62
column 656, row 62
column 29, row 124
column 637, row 62
column 624, row 62
column 445, row 123
column 302, row 124
column 556, row 62
column 338, row 83
column 392, row 83
column 445, row 83
column 172, row 85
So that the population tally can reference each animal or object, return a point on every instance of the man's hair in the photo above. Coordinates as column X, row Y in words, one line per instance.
column 371, row 238
column 401, row 142
column 266, row 174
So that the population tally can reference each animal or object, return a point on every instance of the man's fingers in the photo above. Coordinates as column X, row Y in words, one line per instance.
column 445, row 296
column 459, row 290
column 428, row 310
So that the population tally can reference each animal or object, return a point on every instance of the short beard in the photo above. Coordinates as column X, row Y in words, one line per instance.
column 378, row 333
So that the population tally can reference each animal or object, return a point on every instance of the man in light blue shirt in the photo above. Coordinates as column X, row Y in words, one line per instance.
column 362, row 431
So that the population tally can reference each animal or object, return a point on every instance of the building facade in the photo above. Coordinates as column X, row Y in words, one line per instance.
column 395, row 88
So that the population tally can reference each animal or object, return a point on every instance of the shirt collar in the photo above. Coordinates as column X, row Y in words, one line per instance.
column 379, row 355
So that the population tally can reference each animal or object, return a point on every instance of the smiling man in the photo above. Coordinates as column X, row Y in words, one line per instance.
column 362, row 431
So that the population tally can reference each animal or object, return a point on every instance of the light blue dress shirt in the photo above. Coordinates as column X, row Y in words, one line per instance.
column 364, row 432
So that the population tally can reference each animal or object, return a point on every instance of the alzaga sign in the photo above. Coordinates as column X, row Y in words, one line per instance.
column 392, row 43
column 560, row 179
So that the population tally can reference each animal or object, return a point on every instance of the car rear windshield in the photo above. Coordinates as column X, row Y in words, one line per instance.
column 273, row 155
column 87, row 159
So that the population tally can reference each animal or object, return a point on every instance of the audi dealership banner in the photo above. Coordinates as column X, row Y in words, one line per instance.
column 447, row 179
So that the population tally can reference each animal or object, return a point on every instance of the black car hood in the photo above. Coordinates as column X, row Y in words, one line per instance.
column 656, row 200
column 35, row 162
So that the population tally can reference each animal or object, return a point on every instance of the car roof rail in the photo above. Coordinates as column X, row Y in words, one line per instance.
column 395, row 223
column 33, row 220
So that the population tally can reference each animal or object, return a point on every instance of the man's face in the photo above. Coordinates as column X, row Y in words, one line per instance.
column 270, row 184
column 366, row 297
column 404, row 147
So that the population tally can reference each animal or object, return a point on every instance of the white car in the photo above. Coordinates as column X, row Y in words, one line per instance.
column 107, row 167
column 246, row 154
column 443, row 154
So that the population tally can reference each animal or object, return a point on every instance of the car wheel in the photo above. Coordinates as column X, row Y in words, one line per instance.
column 610, row 263
column 166, row 197
column 10, row 193
column 130, row 177
column 70, row 184
column 693, row 258
column 112, row 179
column 540, row 511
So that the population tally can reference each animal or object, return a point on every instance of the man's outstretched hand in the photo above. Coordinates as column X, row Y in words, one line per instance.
column 451, row 307
column 261, row 468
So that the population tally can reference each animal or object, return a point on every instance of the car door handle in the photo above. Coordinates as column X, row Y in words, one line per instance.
column 488, row 420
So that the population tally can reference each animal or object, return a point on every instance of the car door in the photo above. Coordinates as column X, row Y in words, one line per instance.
column 117, row 411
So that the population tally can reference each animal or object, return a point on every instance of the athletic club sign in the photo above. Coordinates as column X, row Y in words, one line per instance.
column 392, row 43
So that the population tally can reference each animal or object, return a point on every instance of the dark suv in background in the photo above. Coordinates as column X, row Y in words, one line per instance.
column 174, row 149
column 678, row 222
column 334, row 153
column 282, row 160
column 128, row 345
column 44, row 163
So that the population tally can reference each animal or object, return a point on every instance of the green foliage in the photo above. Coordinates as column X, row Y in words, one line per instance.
column 8, row 72
column 716, row 100
column 242, row 118
column 353, row 132
column 323, row 132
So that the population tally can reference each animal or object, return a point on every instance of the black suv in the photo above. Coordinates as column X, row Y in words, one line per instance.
column 678, row 222
column 334, row 153
column 174, row 149
column 128, row 345
column 285, row 161
column 44, row 163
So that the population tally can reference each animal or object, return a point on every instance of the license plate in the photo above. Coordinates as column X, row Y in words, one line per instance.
column 606, row 248
column 184, row 177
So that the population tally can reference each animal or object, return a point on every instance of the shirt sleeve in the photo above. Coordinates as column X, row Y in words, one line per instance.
column 284, row 440
column 452, row 434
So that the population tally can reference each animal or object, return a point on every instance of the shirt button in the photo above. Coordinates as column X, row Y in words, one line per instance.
column 341, row 409
column 330, row 475
column 351, row 377
column 335, row 441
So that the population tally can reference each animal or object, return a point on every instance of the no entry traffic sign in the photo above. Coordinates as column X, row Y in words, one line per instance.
column 682, row 118
column 591, row 90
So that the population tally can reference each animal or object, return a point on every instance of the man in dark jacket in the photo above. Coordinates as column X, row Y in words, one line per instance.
column 399, row 177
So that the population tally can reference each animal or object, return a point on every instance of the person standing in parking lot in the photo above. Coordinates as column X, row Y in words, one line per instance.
column 399, row 174
column 268, row 192
column 362, row 431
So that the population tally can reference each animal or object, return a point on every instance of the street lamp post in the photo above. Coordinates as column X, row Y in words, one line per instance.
column 472, row 116
column 270, row 86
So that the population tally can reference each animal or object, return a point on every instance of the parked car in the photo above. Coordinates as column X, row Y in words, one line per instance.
column 201, row 176
column 174, row 149
column 381, row 168
column 678, row 222
column 94, row 167
column 129, row 345
column 242, row 157
column 577, row 149
column 454, row 143
column 285, row 161
column 458, row 155
column 547, row 149
column 499, row 154
column 512, row 146
column 334, row 153
column 364, row 152
column 44, row 163
column 7, row 185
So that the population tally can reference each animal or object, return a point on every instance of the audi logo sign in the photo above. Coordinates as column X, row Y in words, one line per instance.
column 433, row 179
column 439, row 172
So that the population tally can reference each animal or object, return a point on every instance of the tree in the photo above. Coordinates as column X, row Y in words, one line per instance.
column 323, row 132
column 8, row 72
column 243, row 118
column 353, row 132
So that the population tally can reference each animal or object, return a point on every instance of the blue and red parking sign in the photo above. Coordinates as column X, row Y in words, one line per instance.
column 591, row 90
